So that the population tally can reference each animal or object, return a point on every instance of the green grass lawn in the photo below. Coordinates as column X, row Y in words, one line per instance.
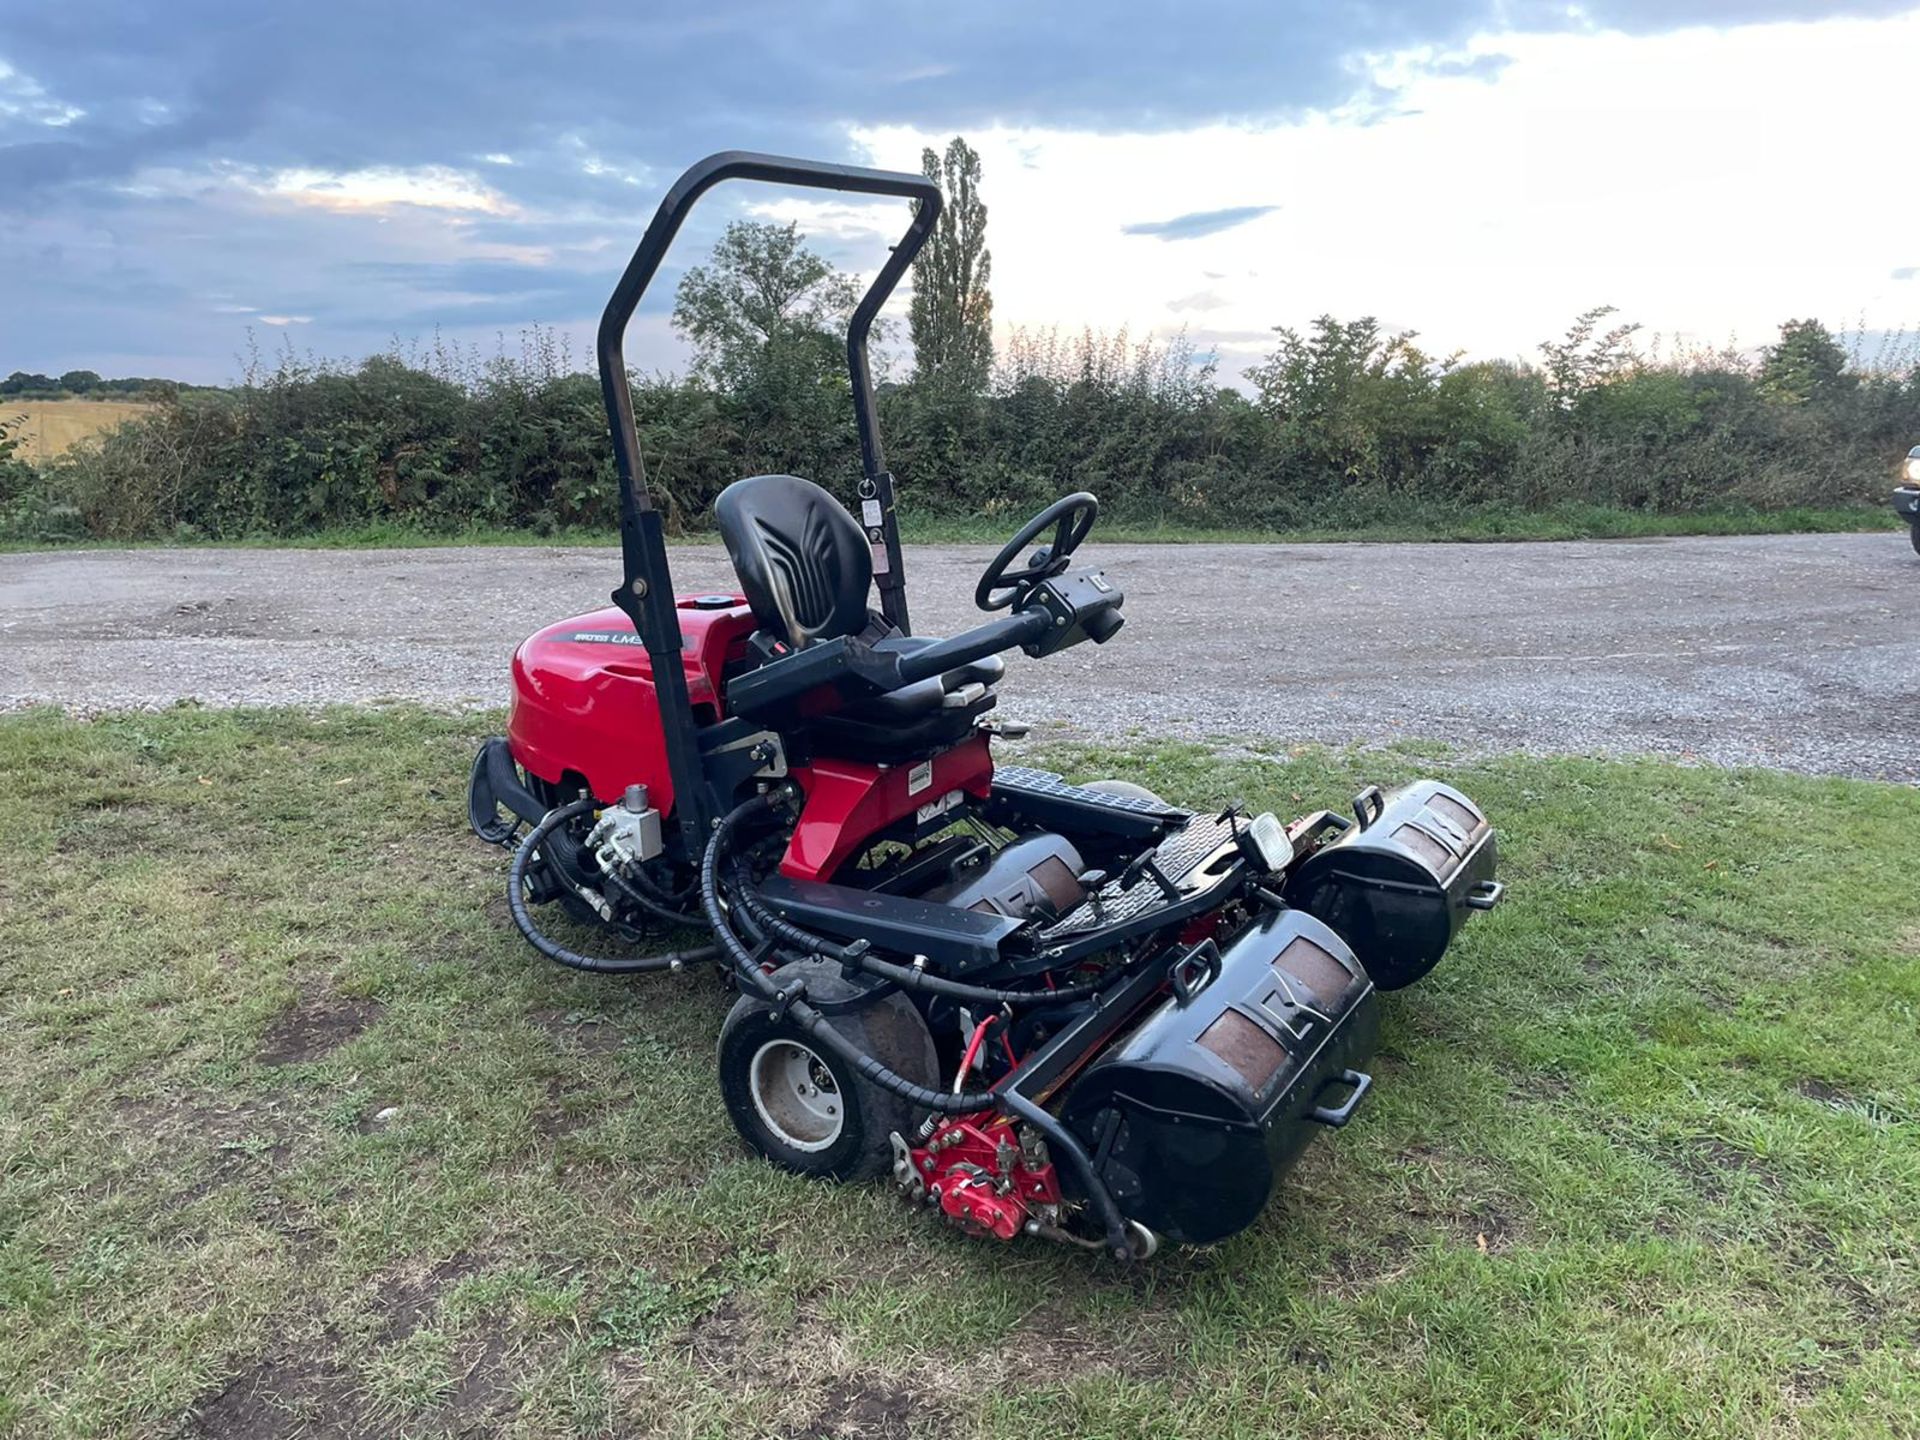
column 1417, row 523
column 297, row 1137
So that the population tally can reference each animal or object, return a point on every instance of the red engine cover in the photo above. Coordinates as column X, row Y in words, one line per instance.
column 583, row 697
column 584, row 703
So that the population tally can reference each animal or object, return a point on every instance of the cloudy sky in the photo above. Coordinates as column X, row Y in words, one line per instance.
column 173, row 176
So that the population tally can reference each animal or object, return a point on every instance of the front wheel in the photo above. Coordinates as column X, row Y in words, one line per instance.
column 797, row 1102
column 1915, row 532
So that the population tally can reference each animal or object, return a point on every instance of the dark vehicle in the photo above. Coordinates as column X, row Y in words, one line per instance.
column 1073, row 1011
column 1906, row 498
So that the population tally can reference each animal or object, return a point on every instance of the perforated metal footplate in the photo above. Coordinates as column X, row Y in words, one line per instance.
column 1176, row 857
column 1021, row 780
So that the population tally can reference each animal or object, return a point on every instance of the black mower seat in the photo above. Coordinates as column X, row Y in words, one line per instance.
column 802, row 560
column 806, row 568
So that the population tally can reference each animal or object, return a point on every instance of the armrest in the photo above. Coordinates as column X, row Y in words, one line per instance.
column 842, row 658
column 1058, row 615
column 975, row 644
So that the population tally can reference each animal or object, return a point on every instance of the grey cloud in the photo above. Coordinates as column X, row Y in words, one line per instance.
column 1194, row 224
column 200, row 87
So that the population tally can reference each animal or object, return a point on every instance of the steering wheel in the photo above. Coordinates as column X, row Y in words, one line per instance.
column 1071, row 516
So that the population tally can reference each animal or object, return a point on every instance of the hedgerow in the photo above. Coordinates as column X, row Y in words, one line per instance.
column 1345, row 425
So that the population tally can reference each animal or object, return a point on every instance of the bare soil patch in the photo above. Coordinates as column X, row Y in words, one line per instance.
column 285, row 1397
column 315, row 1027
column 868, row 1410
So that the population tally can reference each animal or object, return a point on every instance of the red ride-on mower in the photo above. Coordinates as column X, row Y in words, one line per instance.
column 1074, row 1011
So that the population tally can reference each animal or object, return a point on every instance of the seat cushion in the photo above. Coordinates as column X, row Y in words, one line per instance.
column 862, row 734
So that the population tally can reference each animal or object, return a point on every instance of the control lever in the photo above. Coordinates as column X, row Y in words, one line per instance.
column 1142, row 864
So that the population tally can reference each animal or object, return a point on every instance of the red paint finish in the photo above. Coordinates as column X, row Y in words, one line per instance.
column 587, row 704
column 849, row 801
column 985, row 1181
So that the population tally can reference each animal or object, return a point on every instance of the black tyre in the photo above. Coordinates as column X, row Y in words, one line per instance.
column 798, row 1103
column 1915, row 533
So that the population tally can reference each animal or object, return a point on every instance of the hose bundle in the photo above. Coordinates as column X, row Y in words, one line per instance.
column 767, row 932
column 792, row 999
column 573, row 959
column 771, row 935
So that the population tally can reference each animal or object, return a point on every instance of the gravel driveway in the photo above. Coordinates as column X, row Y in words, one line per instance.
column 1801, row 652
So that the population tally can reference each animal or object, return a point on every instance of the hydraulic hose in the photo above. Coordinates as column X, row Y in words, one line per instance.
column 765, row 918
column 662, row 893
column 647, row 903
column 956, row 1102
column 1059, row 1138
column 757, row 938
column 793, row 998
column 908, row 978
column 873, row 994
column 904, row 976
column 553, row 950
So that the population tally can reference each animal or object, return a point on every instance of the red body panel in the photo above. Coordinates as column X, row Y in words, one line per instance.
column 849, row 800
column 583, row 697
column 584, row 703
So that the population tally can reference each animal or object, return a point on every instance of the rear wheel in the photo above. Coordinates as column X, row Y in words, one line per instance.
column 796, row 1101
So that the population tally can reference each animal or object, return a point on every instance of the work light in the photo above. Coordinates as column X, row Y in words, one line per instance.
column 1268, row 837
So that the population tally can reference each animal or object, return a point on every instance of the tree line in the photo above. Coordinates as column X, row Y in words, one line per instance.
column 31, row 385
column 1345, row 425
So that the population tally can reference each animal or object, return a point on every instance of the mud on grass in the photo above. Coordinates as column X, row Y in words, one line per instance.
column 297, row 1138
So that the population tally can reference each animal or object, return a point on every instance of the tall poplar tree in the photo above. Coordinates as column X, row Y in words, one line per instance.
column 951, row 321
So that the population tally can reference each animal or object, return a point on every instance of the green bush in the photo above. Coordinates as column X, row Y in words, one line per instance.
column 1348, row 427
column 29, row 507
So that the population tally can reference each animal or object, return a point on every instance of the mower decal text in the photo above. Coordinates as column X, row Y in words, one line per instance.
column 603, row 637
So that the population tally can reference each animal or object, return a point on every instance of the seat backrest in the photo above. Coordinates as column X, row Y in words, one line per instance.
column 802, row 560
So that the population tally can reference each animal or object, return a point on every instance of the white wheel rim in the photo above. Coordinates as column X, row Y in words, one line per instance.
column 795, row 1095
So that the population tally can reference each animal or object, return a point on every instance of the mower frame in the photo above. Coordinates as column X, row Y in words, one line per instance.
column 646, row 589
column 1184, row 986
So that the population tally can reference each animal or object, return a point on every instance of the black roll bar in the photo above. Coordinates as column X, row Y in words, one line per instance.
column 646, row 592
